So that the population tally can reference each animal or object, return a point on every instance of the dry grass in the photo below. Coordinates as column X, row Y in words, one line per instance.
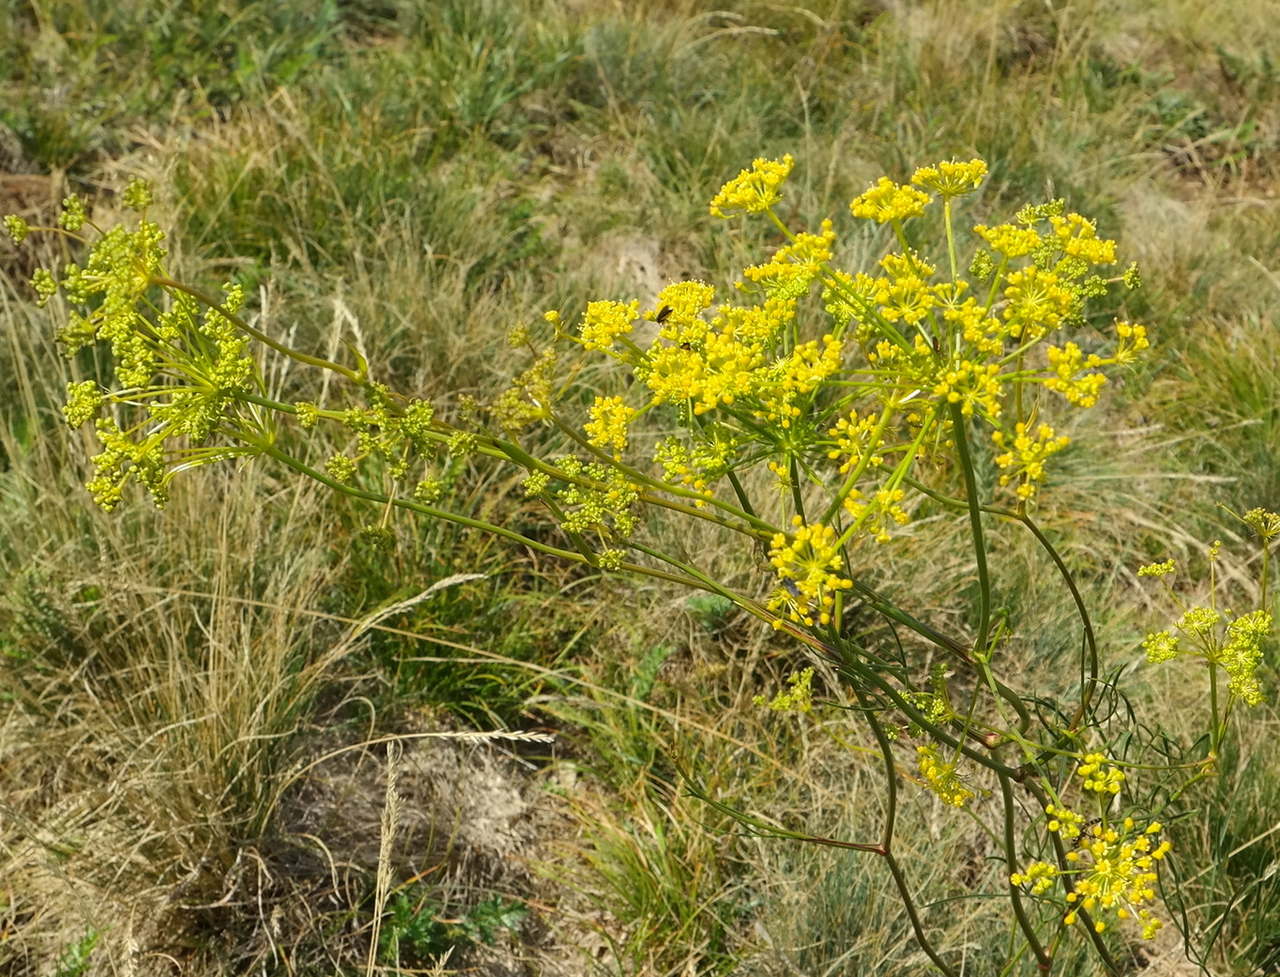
column 419, row 177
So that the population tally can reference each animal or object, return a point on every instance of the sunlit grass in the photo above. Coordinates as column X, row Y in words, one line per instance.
column 420, row 177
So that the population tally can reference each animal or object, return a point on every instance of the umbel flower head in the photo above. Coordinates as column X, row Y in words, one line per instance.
column 752, row 191
column 807, row 562
column 1110, row 869
column 940, row 776
column 853, row 404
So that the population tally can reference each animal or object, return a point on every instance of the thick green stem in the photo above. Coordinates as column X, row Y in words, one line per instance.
column 1044, row 961
column 975, row 525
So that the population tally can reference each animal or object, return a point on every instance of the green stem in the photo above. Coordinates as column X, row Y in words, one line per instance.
column 886, row 837
column 1044, row 962
column 854, row 669
column 1090, row 647
column 797, row 499
column 1215, row 737
column 1089, row 657
column 260, row 336
column 951, row 238
column 975, row 525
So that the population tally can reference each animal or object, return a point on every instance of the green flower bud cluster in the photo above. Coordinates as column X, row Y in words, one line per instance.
column 1233, row 643
column 596, row 497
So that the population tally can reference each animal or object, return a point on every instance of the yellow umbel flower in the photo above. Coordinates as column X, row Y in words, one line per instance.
column 1115, row 873
column 1038, row 302
column 1161, row 646
column 878, row 513
column 951, row 179
column 1063, row 821
column 1009, row 239
column 1133, row 339
column 607, row 428
column 1242, row 654
column 1070, row 379
column 792, row 268
column 1078, row 238
column 603, row 322
column 889, row 201
column 806, row 563
column 798, row 696
column 853, row 441
column 755, row 325
column 1038, row 875
column 752, row 191
column 1265, row 524
column 940, row 777
column 1099, row 776
column 719, row 373
column 1157, row 569
column 1025, row 454
column 798, row 374
column 973, row 386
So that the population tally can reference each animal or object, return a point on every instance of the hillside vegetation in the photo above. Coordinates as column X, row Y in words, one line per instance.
column 220, row 722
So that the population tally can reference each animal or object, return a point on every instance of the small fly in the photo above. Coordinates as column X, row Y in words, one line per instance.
column 664, row 313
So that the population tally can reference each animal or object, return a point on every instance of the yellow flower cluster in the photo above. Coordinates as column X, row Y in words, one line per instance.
column 972, row 386
column 1009, row 239
column 1133, row 340
column 888, row 201
column 1238, row 652
column 1265, row 524
column 807, row 564
column 752, row 191
column 1100, row 776
column 797, row 697
column 1038, row 875
column 1063, row 822
column 529, row 398
column 606, row 504
column 1114, row 872
column 1025, row 455
column 1242, row 654
column 1038, row 302
column 679, row 308
column 603, row 322
column 905, row 296
column 853, row 436
column 879, row 513
column 798, row 374
column 719, row 373
column 693, row 466
column 1111, row 867
column 1078, row 238
column 940, row 777
column 1157, row 569
column 951, row 179
column 1070, row 379
column 795, row 266
column 607, row 429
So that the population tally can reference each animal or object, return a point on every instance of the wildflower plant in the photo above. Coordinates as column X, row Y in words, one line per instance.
column 812, row 412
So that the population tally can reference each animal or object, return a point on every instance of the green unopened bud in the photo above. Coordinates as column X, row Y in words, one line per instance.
column 17, row 228
column 73, row 215
column 137, row 195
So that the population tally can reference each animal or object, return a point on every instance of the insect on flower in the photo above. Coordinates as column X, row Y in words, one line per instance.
column 1085, row 829
column 664, row 313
